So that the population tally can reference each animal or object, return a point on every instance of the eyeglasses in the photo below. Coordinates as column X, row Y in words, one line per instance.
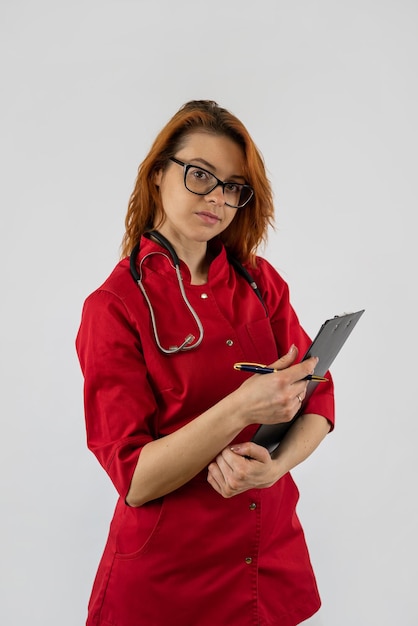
column 201, row 182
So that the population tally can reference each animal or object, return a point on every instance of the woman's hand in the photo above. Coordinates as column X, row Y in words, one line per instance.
column 241, row 467
column 247, row 466
column 275, row 398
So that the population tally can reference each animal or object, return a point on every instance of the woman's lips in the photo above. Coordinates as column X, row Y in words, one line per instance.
column 209, row 218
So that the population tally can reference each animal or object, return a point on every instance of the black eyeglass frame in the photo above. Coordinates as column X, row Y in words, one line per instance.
column 187, row 166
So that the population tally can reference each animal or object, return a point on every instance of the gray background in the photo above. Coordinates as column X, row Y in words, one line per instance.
column 329, row 92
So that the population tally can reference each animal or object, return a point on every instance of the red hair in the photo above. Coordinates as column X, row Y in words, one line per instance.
column 249, row 227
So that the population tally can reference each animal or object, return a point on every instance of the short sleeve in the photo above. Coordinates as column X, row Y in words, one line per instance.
column 120, row 408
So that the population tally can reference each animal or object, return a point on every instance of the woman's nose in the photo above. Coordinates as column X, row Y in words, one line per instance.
column 216, row 195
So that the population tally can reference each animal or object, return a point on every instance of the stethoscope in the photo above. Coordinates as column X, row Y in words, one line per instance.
column 189, row 342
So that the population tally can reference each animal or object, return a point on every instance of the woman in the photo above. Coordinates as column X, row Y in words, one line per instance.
column 205, row 529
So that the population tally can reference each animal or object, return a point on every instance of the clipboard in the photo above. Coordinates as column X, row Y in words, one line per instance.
column 327, row 344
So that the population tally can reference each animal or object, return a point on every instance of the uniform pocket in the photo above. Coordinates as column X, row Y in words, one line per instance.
column 137, row 527
column 263, row 343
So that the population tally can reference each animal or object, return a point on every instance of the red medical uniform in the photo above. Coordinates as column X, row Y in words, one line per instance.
column 192, row 557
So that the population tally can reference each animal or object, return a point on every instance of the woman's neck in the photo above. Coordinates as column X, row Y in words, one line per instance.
column 198, row 267
column 195, row 255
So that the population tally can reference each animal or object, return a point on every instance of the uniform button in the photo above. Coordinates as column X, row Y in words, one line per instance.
column 248, row 560
column 204, row 296
column 253, row 506
column 229, row 342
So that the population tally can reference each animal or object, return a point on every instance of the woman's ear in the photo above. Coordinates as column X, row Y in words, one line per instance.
column 157, row 176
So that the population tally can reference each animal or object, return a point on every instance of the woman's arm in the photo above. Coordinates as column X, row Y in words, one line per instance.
column 168, row 463
column 301, row 440
column 248, row 465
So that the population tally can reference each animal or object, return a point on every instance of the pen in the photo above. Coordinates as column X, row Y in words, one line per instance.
column 257, row 368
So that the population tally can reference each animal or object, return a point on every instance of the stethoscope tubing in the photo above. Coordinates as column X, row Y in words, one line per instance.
column 189, row 342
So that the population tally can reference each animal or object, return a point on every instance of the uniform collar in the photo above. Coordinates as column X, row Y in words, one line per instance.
column 159, row 260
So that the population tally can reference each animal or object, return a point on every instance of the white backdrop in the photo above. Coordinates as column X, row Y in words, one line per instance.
column 328, row 90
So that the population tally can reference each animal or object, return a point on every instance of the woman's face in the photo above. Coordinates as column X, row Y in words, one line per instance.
column 189, row 217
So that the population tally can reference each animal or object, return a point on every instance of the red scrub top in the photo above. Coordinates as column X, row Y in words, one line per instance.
column 192, row 557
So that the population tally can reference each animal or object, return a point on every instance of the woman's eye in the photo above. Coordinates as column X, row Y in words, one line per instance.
column 233, row 187
column 200, row 174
